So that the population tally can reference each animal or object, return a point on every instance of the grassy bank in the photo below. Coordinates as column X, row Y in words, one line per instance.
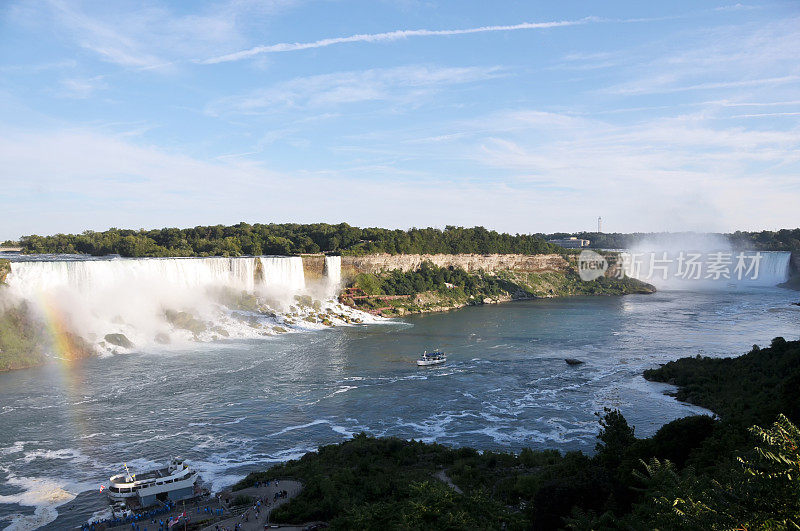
column 681, row 478
column 433, row 288
column 5, row 269
column 23, row 341
column 20, row 341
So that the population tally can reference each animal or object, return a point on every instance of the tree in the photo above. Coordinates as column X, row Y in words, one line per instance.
column 615, row 438
column 759, row 490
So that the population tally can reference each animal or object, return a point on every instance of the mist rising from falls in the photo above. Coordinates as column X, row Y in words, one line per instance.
column 175, row 300
column 703, row 262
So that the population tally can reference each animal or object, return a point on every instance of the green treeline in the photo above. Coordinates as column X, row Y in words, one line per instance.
column 694, row 473
column 751, row 389
column 766, row 240
column 293, row 238
column 286, row 239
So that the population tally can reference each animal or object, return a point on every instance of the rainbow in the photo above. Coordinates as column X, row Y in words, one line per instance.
column 67, row 345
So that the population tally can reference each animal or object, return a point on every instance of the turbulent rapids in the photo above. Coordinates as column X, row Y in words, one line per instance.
column 125, row 303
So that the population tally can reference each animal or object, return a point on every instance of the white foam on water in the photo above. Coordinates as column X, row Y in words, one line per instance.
column 68, row 454
column 299, row 427
column 45, row 494
column 217, row 470
column 102, row 514
column 27, row 522
column 17, row 447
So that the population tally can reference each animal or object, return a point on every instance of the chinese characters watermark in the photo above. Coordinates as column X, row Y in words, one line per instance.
column 681, row 265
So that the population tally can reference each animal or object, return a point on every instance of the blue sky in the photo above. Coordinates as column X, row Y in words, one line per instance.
column 520, row 116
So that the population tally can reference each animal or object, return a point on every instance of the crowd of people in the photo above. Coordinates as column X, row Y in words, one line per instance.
column 260, row 503
column 135, row 520
column 143, row 520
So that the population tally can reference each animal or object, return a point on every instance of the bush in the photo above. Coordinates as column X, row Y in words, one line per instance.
column 242, row 499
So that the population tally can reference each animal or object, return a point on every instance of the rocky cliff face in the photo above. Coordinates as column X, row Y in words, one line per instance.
column 492, row 278
column 794, row 273
column 313, row 266
column 489, row 263
column 5, row 269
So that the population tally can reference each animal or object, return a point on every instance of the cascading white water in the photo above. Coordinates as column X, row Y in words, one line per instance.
column 333, row 274
column 283, row 272
column 31, row 278
column 775, row 267
column 719, row 269
column 132, row 296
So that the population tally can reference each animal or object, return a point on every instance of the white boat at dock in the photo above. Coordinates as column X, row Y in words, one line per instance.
column 174, row 482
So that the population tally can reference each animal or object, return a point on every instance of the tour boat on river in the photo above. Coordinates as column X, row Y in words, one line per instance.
column 172, row 483
column 434, row 358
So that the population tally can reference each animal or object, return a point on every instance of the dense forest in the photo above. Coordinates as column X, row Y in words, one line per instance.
column 293, row 238
column 697, row 472
column 285, row 239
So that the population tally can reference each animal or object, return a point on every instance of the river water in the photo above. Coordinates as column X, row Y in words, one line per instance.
column 239, row 405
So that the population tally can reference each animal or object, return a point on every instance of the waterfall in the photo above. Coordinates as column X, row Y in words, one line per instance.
column 283, row 272
column 99, row 275
column 722, row 269
column 333, row 273
column 280, row 272
column 132, row 296
column 775, row 267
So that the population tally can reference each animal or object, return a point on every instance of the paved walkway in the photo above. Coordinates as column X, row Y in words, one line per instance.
column 191, row 509
column 442, row 476
column 250, row 519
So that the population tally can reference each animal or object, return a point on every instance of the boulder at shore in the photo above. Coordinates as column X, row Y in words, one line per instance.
column 573, row 361
column 119, row 340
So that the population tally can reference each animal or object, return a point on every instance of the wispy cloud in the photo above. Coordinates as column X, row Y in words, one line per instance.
column 765, row 115
column 725, row 58
column 41, row 67
column 80, row 88
column 706, row 172
column 736, row 7
column 389, row 36
column 149, row 36
column 127, row 184
column 659, row 87
column 400, row 84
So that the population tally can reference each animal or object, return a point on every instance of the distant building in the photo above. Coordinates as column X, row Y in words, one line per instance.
column 571, row 243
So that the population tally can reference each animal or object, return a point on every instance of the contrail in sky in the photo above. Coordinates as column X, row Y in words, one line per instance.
column 389, row 36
